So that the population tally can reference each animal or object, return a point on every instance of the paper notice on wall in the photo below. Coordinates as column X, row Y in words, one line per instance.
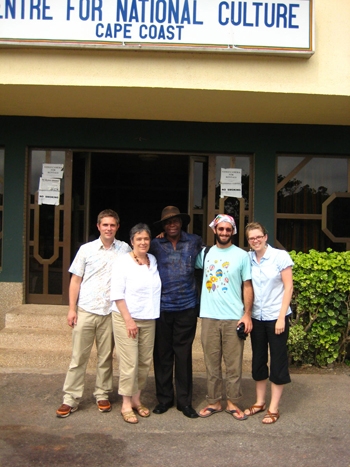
column 231, row 190
column 49, row 197
column 231, row 176
column 49, row 184
column 231, row 183
column 53, row 170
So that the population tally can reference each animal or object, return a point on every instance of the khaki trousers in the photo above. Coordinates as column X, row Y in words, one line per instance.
column 220, row 341
column 134, row 355
column 88, row 328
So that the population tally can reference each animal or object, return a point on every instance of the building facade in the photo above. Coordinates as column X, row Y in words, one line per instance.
column 136, row 130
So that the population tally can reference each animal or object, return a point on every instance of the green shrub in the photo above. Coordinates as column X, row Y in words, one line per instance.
column 320, row 325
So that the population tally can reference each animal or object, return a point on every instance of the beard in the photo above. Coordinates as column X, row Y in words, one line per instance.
column 225, row 241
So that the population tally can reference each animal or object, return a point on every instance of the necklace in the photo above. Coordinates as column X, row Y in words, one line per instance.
column 139, row 262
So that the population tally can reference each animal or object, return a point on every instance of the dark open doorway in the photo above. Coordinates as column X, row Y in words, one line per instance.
column 137, row 186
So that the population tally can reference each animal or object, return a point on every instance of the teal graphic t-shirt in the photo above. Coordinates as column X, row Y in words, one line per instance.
column 224, row 271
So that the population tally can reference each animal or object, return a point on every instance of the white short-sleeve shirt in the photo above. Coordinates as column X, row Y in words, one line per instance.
column 267, row 283
column 139, row 285
column 93, row 263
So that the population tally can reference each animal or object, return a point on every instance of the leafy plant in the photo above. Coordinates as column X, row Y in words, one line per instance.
column 320, row 326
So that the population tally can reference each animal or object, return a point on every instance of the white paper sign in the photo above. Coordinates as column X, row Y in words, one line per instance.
column 49, row 197
column 231, row 190
column 49, row 184
column 283, row 27
column 53, row 170
column 231, row 176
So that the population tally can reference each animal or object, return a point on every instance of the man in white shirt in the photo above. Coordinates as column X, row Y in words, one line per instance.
column 90, row 316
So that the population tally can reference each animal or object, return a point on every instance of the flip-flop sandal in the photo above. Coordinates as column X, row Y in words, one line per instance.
column 271, row 416
column 211, row 412
column 252, row 411
column 130, row 417
column 232, row 412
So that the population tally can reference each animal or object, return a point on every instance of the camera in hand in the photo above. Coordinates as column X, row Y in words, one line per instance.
column 240, row 331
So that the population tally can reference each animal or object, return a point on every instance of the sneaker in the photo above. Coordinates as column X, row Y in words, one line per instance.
column 104, row 406
column 65, row 410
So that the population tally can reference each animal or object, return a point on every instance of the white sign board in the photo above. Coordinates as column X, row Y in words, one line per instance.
column 269, row 26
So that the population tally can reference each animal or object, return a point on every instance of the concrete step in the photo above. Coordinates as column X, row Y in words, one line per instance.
column 40, row 349
column 52, row 361
column 37, row 317
column 38, row 337
column 19, row 360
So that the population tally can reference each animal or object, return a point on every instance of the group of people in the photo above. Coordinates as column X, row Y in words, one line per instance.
column 144, row 300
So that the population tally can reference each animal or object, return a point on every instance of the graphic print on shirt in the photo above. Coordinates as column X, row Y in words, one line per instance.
column 216, row 274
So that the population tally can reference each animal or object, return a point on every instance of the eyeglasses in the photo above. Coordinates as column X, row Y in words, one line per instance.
column 226, row 229
column 253, row 239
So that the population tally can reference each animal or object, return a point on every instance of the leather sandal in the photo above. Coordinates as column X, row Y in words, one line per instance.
column 130, row 417
column 254, row 409
column 273, row 417
column 142, row 411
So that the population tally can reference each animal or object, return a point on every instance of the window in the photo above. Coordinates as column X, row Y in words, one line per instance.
column 239, row 208
column 45, row 244
column 304, row 219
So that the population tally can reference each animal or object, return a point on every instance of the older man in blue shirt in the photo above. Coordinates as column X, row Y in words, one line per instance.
column 176, row 328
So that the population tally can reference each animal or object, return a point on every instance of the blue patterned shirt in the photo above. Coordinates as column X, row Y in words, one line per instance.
column 176, row 270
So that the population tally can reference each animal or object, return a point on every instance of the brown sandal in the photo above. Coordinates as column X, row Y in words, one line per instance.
column 271, row 416
column 252, row 411
column 130, row 417
column 142, row 411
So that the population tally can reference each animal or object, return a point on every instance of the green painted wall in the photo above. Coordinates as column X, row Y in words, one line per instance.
column 13, row 214
column 264, row 141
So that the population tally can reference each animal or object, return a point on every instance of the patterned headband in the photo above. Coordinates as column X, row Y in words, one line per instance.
column 223, row 218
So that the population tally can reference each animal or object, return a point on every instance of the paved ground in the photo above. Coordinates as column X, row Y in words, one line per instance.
column 313, row 430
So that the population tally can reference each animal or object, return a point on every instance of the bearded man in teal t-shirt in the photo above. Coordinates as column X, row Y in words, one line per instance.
column 226, row 302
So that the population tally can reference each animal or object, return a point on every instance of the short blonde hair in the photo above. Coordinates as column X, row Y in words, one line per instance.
column 254, row 226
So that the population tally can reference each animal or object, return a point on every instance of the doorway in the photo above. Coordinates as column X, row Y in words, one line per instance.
column 136, row 186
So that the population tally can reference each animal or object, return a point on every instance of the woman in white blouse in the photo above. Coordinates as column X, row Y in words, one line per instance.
column 273, row 287
column 135, row 296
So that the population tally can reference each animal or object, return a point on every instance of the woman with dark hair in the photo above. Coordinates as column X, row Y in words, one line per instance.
column 273, row 287
column 135, row 293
